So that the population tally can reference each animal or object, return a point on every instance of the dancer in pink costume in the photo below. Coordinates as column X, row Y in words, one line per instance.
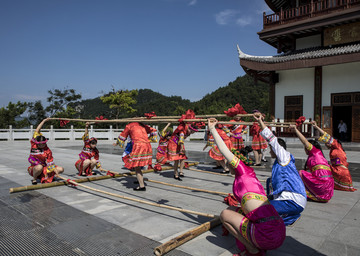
column 317, row 176
column 256, row 225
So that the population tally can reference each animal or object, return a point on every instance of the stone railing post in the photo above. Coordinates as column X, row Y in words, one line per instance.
column 11, row 133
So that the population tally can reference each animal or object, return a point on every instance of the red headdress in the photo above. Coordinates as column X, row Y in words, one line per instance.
column 63, row 122
column 237, row 109
column 300, row 121
column 150, row 115
column 190, row 114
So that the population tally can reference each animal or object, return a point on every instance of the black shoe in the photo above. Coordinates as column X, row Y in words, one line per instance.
column 257, row 164
column 225, row 172
column 177, row 178
column 136, row 182
column 139, row 189
column 33, row 182
column 181, row 174
column 264, row 160
column 217, row 167
column 94, row 173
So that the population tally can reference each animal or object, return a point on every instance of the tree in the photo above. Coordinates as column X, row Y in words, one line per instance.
column 120, row 101
column 59, row 100
column 10, row 115
column 37, row 112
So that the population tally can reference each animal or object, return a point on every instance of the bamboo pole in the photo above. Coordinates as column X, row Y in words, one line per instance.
column 151, row 120
column 69, row 181
column 183, row 238
column 216, row 173
column 180, row 186
column 197, row 116
column 87, row 179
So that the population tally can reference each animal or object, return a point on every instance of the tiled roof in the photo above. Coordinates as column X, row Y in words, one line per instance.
column 311, row 53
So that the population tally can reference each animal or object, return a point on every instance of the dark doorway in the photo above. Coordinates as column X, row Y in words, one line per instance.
column 342, row 113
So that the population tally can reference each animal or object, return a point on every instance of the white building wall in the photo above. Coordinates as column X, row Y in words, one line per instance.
column 342, row 78
column 293, row 83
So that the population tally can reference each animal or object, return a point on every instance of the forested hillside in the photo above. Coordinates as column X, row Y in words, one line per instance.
column 242, row 91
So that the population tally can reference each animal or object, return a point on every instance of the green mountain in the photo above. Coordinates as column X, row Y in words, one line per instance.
column 242, row 91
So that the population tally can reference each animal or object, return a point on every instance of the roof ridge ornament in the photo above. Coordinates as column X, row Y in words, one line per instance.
column 243, row 55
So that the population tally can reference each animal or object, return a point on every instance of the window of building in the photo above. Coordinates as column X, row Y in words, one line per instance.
column 293, row 107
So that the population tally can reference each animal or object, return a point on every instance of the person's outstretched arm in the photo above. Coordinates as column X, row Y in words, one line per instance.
column 281, row 153
column 317, row 127
column 38, row 128
column 303, row 140
column 219, row 141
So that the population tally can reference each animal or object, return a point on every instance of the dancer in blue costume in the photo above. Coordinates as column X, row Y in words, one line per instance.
column 285, row 190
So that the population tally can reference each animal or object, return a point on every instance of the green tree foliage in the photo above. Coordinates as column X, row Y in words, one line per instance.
column 10, row 115
column 37, row 112
column 120, row 101
column 242, row 91
column 59, row 100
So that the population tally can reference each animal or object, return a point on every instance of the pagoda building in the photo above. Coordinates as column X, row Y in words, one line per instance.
column 316, row 72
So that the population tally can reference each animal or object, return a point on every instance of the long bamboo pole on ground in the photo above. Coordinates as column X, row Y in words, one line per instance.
column 184, row 187
column 216, row 173
column 69, row 181
column 87, row 179
column 183, row 238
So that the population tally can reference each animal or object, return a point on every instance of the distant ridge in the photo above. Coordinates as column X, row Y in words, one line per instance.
column 242, row 90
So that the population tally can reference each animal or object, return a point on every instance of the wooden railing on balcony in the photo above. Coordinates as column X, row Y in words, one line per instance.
column 313, row 9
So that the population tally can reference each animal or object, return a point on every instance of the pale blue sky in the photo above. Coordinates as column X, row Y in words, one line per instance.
column 174, row 47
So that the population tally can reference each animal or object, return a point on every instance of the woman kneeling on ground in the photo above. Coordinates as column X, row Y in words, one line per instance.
column 42, row 162
column 89, row 156
column 256, row 225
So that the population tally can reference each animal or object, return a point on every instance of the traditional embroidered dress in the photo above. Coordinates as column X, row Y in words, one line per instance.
column 318, row 181
column 41, row 156
column 161, row 154
column 339, row 165
column 263, row 227
column 285, row 187
column 258, row 142
column 87, row 153
column 214, row 152
column 141, row 153
column 236, row 136
column 176, row 147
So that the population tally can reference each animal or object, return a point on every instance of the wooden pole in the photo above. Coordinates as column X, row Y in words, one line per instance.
column 183, row 238
column 216, row 173
column 69, row 181
column 197, row 116
column 61, row 183
column 180, row 186
column 151, row 120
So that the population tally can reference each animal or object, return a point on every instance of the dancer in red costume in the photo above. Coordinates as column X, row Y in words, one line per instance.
column 161, row 155
column 42, row 162
column 236, row 131
column 256, row 225
column 176, row 148
column 141, row 154
column 339, row 165
column 258, row 142
column 89, row 156
column 214, row 152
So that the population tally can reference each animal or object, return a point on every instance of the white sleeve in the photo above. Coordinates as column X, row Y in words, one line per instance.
column 282, row 155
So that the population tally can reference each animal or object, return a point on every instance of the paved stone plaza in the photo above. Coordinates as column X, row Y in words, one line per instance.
column 74, row 221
